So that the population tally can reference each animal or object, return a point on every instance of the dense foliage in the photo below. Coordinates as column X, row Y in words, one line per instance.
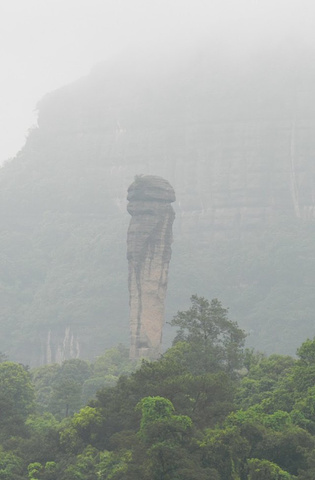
column 167, row 420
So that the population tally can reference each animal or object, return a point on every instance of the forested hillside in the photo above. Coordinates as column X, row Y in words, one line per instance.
column 206, row 409
column 234, row 137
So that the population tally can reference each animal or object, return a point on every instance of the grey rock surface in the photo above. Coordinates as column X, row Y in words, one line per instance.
column 148, row 252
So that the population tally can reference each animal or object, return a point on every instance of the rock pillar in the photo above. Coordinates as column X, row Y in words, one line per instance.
column 149, row 253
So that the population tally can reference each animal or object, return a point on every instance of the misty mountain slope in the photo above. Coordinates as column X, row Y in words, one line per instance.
column 234, row 137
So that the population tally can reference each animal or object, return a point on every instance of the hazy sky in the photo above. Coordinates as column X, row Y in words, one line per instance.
column 45, row 44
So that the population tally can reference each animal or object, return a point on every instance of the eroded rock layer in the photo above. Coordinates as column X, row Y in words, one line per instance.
column 149, row 253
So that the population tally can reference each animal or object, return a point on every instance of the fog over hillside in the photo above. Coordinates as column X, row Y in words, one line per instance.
column 216, row 97
column 234, row 136
column 45, row 45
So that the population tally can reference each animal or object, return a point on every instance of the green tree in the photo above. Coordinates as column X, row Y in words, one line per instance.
column 113, row 465
column 225, row 450
column 106, row 370
column 66, row 398
column 303, row 373
column 43, row 379
column 16, row 398
column 59, row 387
column 217, row 341
column 266, row 380
column 84, row 466
column 163, row 434
column 265, row 470
column 82, row 429
column 34, row 471
column 306, row 352
column 10, row 466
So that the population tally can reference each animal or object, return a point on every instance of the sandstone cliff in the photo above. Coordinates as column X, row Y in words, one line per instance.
column 236, row 140
column 149, row 253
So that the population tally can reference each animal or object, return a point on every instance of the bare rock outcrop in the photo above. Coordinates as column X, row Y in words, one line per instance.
column 149, row 253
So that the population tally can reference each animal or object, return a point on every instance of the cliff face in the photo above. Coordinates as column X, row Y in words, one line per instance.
column 149, row 253
column 236, row 140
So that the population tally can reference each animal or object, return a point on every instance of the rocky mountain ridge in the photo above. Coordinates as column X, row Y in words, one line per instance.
column 236, row 141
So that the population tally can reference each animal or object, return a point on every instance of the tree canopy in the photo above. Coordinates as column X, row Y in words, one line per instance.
column 216, row 341
column 177, row 418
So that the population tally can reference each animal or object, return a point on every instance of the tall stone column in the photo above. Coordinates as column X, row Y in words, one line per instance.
column 149, row 252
